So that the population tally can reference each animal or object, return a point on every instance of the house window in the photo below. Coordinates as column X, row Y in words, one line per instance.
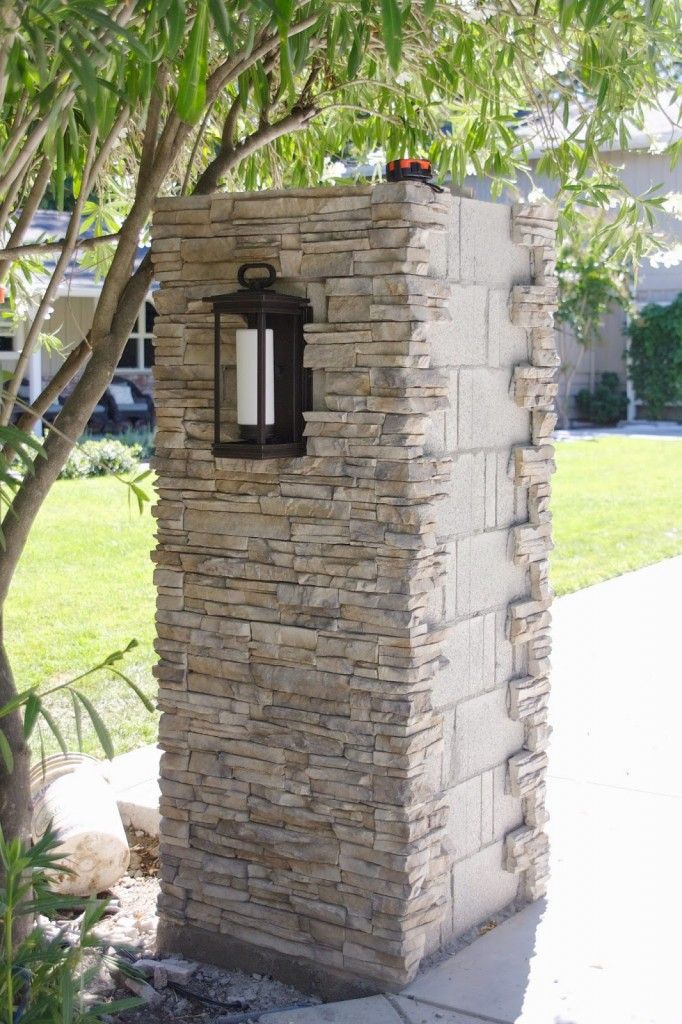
column 138, row 353
column 6, row 330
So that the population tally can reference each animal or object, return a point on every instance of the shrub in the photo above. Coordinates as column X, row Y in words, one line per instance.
column 655, row 356
column 606, row 405
column 99, row 458
column 141, row 437
column 43, row 979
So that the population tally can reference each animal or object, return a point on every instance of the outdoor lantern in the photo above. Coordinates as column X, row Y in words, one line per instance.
column 272, row 388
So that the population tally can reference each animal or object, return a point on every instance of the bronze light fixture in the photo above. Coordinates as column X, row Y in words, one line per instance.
column 273, row 388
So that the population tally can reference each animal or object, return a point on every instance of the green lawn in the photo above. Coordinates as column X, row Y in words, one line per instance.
column 617, row 505
column 84, row 587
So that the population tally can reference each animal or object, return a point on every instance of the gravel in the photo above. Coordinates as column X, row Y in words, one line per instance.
column 207, row 994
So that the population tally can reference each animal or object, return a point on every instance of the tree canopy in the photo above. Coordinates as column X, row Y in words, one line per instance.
column 108, row 104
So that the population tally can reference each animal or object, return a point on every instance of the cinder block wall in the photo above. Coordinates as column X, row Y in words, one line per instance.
column 353, row 644
column 486, row 347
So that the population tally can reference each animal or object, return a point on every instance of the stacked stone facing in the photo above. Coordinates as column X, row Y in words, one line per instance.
column 302, row 613
column 534, row 388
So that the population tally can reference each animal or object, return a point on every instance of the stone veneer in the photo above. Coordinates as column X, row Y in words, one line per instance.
column 353, row 644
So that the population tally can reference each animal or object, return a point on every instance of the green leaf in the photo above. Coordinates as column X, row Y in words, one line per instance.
column 54, row 729
column 6, row 753
column 175, row 19
column 31, row 713
column 59, row 173
column 356, row 52
column 221, row 22
column 98, row 725
column 77, row 718
column 191, row 98
column 66, row 995
column 142, row 697
column 391, row 23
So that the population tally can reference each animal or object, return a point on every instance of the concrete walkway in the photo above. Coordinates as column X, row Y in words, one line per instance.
column 605, row 947
column 657, row 430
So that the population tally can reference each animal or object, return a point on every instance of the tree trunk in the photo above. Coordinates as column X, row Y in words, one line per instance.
column 15, row 795
column 15, row 790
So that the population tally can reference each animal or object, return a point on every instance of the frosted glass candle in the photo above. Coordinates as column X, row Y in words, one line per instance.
column 247, row 378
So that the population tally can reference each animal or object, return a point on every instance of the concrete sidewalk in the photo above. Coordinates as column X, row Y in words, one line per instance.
column 605, row 947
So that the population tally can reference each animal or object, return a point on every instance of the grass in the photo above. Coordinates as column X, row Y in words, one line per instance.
column 84, row 589
column 617, row 505
column 84, row 586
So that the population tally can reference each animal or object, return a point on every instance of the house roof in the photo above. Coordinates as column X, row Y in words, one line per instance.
column 659, row 127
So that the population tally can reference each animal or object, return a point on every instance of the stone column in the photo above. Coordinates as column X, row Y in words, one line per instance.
column 353, row 644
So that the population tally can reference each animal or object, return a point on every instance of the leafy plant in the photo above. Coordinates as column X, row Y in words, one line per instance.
column 655, row 355
column 43, row 980
column 606, row 405
column 101, row 458
column 34, row 703
column 593, row 278
column 140, row 438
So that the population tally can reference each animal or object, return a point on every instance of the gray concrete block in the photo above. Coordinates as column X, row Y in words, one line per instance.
column 463, row 836
column 512, row 501
column 496, row 420
column 469, row 311
column 507, row 809
column 453, row 241
column 481, row 887
column 451, row 414
column 463, row 511
column 485, row 735
column 434, row 441
column 507, row 343
column 487, row 577
column 465, row 409
column 487, row 808
column 488, row 254
column 442, row 343
column 438, row 253
column 462, row 677
column 490, row 490
column 505, row 653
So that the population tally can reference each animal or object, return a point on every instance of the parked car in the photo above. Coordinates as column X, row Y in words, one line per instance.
column 123, row 405
column 23, row 395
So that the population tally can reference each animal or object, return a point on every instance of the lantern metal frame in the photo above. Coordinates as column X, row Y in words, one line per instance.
column 286, row 315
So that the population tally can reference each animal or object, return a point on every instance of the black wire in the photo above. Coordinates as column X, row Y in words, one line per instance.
column 235, row 1004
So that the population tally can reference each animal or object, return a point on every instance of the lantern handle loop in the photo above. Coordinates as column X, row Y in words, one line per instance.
column 256, row 283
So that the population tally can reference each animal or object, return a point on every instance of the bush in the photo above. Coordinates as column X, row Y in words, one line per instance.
column 133, row 437
column 100, row 458
column 655, row 356
column 143, row 438
column 606, row 405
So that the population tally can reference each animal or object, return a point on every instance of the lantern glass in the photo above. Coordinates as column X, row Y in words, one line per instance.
column 272, row 386
column 247, row 382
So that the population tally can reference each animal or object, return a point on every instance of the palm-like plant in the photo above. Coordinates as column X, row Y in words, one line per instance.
column 43, row 980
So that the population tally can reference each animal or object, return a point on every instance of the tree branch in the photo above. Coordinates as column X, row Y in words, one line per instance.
column 42, row 248
column 153, row 117
column 226, row 159
column 51, row 392
column 70, row 423
column 12, row 386
column 26, row 216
